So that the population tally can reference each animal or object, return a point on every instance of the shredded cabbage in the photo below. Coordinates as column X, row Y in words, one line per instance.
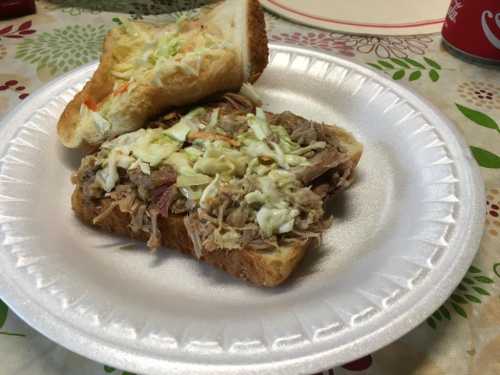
column 259, row 124
column 210, row 192
column 214, row 119
column 181, row 162
column 285, row 141
column 249, row 91
column 276, row 220
column 279, row 156
column 229, row 240
column 199, row 111
column 108, row 176
column 179, row 131
column 136, row 32
column 154, row 147
column 168, row 45
column 255, row 197
column 191, row 193
column 102, row 125
column 296, row 160
column 204, row 166
column 313, row 146
column 193, row 153
column 214, row 166
column 193, row 180
column 222, row 159
column 144, row 167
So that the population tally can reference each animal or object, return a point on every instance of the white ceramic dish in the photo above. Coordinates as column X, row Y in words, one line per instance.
column 380, row 17
column 404, row 236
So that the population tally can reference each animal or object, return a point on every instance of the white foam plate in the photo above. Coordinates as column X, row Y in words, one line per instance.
column 404, row 235
column 381, row 17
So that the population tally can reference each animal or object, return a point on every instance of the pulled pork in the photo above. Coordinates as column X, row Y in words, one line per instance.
column 229, row 222
column 164, row 176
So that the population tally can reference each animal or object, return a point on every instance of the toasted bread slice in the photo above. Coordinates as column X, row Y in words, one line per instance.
column 146, row 69
column 263, row 268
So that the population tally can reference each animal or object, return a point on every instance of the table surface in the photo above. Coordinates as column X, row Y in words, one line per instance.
column 461, row 337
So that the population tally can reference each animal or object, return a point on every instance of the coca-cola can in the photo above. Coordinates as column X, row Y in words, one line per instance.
column 472, row 28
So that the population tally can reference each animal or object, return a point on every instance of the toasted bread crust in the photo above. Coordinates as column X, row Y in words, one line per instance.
column 99, row 86
column 266, row 269
column 257, row 43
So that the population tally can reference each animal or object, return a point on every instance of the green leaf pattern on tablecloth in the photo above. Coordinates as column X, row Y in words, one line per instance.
column 433, row 75
column 478, row 117
column 400, row 63
column 432, row 63
column 64, row 48
column 385, row 64
column 415, row 75
column 4, row 310
column 3, row 313
column 496, row 269
column 415, row 63
column 485, row 158
column 398, row 74
column 470, row 290
column 408, row 67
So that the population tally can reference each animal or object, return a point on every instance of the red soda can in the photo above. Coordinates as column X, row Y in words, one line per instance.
column 472, row 28
column 16, row 8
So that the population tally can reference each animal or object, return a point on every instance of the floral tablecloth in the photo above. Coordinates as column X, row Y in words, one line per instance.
column 461, row 337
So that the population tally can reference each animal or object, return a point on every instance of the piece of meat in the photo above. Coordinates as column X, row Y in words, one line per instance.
column 165, row 199
column 301, row 130
column 166, row 121
column 238, row 217
column 154, row 241
column 137, row 218
column 304, row 135
column 192, row 136
column 145, row 184
column 326, row 135
column 342, row 177
column 239, row 102
column 182, row 205
column 85, row 177
column 233, row 124
column 322, row 162
column 192, row 225
column 307, row 199
column 322, row 190
column 249, row 233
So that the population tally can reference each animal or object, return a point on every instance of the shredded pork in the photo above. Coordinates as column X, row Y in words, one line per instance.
column 227, row 222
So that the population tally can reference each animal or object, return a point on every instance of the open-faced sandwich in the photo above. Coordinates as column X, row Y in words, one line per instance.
column 228, row 183
column 146, row 69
